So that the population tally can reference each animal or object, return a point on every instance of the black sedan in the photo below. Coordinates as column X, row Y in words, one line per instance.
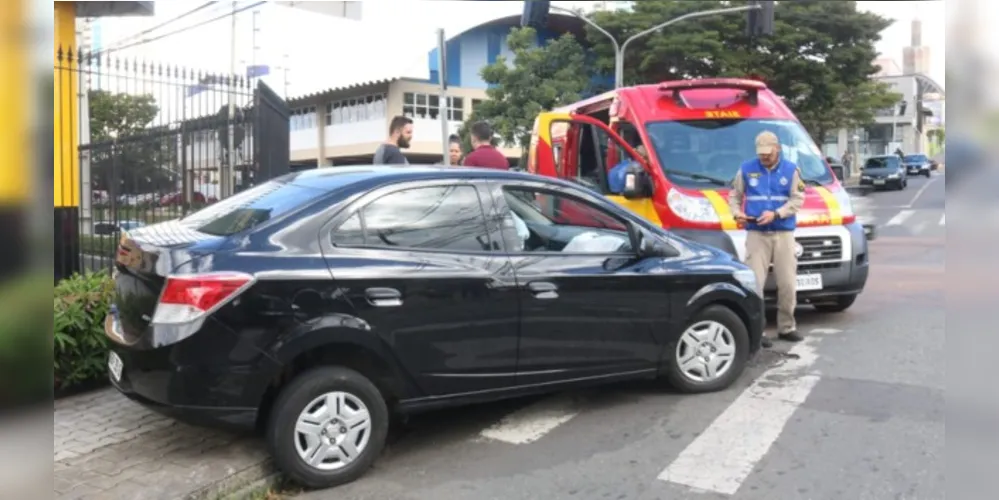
column 918, row 164
column 884, row 172
column 316, row 305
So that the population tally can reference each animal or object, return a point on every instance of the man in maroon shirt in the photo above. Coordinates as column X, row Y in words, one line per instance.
column 484, row 154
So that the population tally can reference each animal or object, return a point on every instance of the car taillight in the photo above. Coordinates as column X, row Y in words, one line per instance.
column 187, row 298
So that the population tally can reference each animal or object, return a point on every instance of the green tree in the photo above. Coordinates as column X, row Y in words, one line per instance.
column 125, row 149
column 540, row 78
column 819, row 59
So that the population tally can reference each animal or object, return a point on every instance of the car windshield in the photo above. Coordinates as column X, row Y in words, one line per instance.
column 696, row 153
column 881, row 162
column 915, row 158
column 248, row 208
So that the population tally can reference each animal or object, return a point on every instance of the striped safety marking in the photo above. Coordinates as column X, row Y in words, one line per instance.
column 721, row 207
column 835, row 211
column 643, row 207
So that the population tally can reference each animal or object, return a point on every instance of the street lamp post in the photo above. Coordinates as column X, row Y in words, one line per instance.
column 620, row 48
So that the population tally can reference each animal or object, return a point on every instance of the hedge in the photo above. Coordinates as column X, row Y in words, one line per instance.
column 80, row 346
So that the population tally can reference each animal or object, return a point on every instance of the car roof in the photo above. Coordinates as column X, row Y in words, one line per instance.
column 362, row 177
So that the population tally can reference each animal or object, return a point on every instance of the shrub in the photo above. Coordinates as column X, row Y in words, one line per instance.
column 80, row 346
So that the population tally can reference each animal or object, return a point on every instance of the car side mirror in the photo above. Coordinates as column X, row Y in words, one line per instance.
column 637, row 183
column 648, row 245
column 838, row 171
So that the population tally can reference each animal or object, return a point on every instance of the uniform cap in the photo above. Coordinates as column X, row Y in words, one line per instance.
column 766, row 143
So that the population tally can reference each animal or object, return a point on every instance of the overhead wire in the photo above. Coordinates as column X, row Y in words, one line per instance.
column 186, row 28
column 163, row 24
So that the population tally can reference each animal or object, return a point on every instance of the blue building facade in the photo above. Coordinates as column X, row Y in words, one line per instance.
column 477, row 47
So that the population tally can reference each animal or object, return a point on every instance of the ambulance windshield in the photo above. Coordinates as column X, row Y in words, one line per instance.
column 716, row 148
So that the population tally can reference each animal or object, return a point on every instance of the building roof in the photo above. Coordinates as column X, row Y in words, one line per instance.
column 351, row 89
column 561, row 23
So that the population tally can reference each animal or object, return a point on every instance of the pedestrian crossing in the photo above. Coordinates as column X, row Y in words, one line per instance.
column 719, row 456
column 911, row 222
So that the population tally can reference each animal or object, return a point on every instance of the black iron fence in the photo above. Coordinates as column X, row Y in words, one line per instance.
column 139, row 142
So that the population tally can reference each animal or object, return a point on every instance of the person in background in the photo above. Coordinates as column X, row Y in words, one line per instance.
column 615, row 178
column 773, row 192
column 454, row 150
column 484, row 154
column 400, row 135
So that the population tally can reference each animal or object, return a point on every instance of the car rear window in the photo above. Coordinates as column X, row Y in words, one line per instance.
column 249, row 208
column 882, row 162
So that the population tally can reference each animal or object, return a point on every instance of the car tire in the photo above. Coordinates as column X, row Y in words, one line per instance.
column 842, row 303
column 284, row 440
column 738, row 339
column 926, row 174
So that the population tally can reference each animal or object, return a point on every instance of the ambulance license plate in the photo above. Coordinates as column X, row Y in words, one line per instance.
column 808, row 282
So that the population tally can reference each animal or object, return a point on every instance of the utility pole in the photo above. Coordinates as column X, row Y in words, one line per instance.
column 442, row 104
column 619, row 49
column 226, row 180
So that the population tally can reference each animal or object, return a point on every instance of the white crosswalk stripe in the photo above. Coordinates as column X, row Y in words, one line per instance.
column 900, row 218
column 724, row 455
column 942, row 219
column 531, row 423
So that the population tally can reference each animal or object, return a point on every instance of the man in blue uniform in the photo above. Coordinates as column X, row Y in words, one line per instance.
column 766, row 195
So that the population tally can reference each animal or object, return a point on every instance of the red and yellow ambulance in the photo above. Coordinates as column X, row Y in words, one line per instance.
column 695, row 134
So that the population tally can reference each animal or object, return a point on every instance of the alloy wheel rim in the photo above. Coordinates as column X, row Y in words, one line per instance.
column 332, row 431
column 706, row 351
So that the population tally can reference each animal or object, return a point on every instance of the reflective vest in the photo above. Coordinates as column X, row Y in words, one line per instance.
column 768, row 190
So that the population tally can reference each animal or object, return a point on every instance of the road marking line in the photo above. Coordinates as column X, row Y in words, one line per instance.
column 724, row 455
column 942, row 219
column 899, row 218
column 919, row 193
column 531, row 423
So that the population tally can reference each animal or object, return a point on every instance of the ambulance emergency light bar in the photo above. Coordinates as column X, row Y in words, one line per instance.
column 752, row 87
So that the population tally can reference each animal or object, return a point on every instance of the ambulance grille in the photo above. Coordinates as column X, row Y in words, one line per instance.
column 820, row 249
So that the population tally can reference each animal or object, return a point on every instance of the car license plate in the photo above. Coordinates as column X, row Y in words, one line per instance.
column 879, row 182
column 115, row 366
column 808, row 282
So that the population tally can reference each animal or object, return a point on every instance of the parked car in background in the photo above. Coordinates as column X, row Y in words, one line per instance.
column 884, row 172
column 316, row 305
column 177, row 198
column 917, row 164
column 108, row 228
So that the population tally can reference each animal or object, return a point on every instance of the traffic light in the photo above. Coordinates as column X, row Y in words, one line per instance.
column 760, row 22
column 535, row 14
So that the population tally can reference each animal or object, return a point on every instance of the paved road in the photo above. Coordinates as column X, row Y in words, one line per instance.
column 855, row 412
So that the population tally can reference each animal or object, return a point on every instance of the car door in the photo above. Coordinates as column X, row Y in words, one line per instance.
column 589, row 306
column 420, row 267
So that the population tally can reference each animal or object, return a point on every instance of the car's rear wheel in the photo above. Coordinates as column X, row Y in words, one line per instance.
column 710, row 353
column 327, row 427
column 840, row 304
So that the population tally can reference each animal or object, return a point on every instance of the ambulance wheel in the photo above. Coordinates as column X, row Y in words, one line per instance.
column 842, row 303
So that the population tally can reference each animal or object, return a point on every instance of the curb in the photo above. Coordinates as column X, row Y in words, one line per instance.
column 238, row 484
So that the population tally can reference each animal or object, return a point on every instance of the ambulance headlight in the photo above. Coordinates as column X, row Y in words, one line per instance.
column 694, row 209
column 845, row 202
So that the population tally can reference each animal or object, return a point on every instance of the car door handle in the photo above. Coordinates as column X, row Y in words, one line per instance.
column 543, row 290
column 383, row 297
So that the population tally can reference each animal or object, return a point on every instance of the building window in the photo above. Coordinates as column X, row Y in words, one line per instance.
column 422, row 106
column 356, row 109
column 303, row 118
column 475, row 104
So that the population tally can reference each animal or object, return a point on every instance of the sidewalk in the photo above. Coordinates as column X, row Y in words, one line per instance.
column 108, row 447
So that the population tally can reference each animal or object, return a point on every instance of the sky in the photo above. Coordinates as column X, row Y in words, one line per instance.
column 392, row 38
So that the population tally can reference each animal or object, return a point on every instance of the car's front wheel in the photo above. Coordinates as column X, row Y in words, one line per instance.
column 327, row 427
column 711, row 352
column 926, row 174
